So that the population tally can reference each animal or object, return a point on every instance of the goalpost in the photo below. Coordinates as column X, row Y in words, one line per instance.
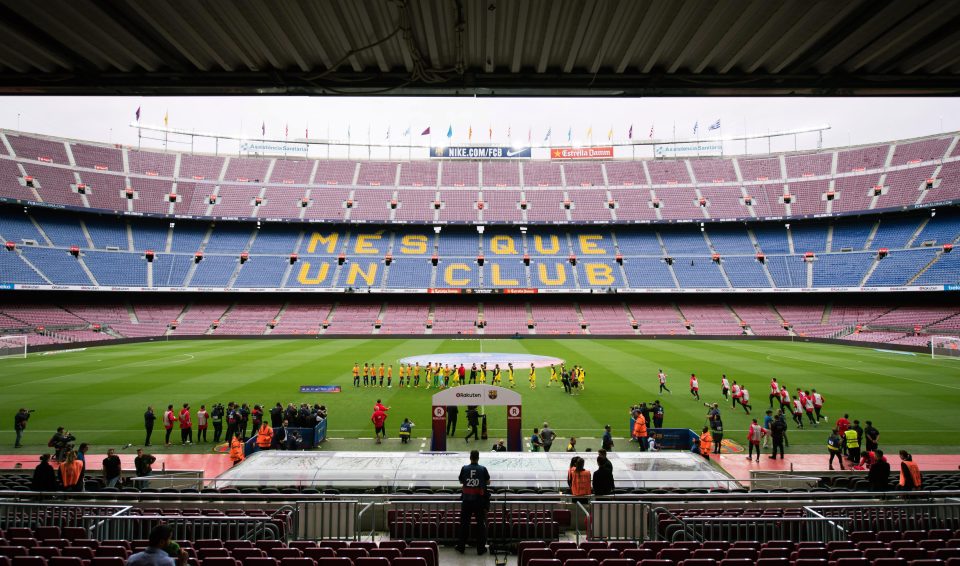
column 13, row 346
column 945, row 346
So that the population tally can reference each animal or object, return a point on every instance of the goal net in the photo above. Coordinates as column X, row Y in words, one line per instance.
column 945, row 346
column 13, row 347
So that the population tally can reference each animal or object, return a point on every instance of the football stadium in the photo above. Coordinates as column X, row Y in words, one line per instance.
column 570, row 283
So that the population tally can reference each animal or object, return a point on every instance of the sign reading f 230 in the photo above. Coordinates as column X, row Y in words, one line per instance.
column 461, row 152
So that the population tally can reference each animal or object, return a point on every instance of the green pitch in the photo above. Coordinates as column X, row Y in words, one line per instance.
column 100, row 394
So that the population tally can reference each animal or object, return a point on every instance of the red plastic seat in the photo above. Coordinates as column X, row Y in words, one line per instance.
column 544, row 562
column 368, row 544
column 845, row 553
column 927, row 562
column 582, row 562
column 565, row 554
column 302, row 544
column 429, row 554
column 947, row 553
column 711, row 553
column 110, row 561
column 400, row 545
column 774, row 552
column 78, row 551
column 334, row 544
column 890, row 562
column 283, row 552
column 319, row 552
column 622, row 545
column 528, row 554
column 297, row 561
column 931, row 544
column 860, row 536
column 208, row 552
column 699, row 562
column 44, row 533
column 29, row 561
column 207, row 543
column 372, row 560
column 589, row 545
column 264, row 561
column 243, row 554
column 559, row 544
column 875, row 553
column 236, row 544
column 389, row 553
column 333, row 561
column 773, row 562
column 737, row 561
column 411, row 561
column 744, row 553
column 219, row 561
column 64, row 561
column 352, row 553
column 266, row 545
column 674, row 555
column 45, row 551
column 852, row 562
column 810, row 562
column 637, row 554
column 911, row 554
column 601, row 554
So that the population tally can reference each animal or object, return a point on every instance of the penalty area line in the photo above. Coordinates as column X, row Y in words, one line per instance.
column 771, row 356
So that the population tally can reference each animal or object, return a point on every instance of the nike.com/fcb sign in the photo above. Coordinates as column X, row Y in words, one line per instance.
column 481, row 152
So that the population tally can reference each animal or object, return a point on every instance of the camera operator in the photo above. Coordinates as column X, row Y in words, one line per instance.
column 20, row 423
column 61, row 442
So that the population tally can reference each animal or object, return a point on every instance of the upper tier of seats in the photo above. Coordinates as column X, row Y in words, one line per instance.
column 900, row 174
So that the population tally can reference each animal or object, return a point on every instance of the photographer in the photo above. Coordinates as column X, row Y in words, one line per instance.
column 20, row 423
column 61, row 442
column 216, row 417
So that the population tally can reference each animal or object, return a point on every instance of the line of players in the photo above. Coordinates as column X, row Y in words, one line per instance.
column 806, row 402
column 442, row 376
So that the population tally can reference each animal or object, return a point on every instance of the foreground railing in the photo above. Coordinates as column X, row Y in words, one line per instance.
column 134, row 527
column 903, row 517
column 32, row 515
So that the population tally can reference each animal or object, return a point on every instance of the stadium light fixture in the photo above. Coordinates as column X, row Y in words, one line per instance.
column 933, row 212
column 787, row 225
column 523, row 229
column 436, row 230
column 481, row 228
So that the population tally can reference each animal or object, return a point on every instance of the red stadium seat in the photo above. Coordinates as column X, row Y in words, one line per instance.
column 244, row 554
column 207, row 552
column 45, row 551
column 267, row 561
column 528, row 554
column 352, row 553
column 889, row 562
column 388, row 553
column 372, row 561
column 565, row 554
column 283, row 552
column 111, row 561
column 602, row 554
column 411, row 561
column 64, row 561
column 333, row 561
column 618, row 562
column 319, row 552
column 297, row 561
column 911, row 554
column 582, row 562
column 544, row 562
column 425, row 552
column 220, row 561
column 78, row 551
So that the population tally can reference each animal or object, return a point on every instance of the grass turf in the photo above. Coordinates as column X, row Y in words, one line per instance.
column 100, row 394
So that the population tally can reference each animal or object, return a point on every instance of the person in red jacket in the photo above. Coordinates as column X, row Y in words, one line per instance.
column 169, row 417
column 843, row 423
column 379, row 419
column 186, row 426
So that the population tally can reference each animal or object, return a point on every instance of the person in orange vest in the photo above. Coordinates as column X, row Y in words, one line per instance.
column 706, row 443
column 236, row 450
column 910, row 477
column 640, row 431
column 580, row 482
column 264, row 437
column 71, row 472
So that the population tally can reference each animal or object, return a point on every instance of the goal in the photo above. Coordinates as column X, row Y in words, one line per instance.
column 13, row 347
column 945, row 346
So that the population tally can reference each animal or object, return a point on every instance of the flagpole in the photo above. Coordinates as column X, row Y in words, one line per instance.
column 328, row 140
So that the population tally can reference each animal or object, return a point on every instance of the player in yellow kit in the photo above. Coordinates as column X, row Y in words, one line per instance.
column 416, row 375
column 510, row 375
column 583, row 374
column 455, row 377
column 553, row 375
column 366, row 374
column 402, row 374
column 390, row 376
column 483, row 372
column 380, row 372
column 356, row 374
column 496, row 374
column 533, row 377
column 428, row 375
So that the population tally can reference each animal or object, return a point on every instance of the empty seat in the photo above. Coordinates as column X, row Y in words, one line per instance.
column 296, row 561
column 45, row 551
column 582, row 562
column 283, row 552
column 334, row 544
column 544, row 562
column 601, row 554
column 78, row 551
column 875, row 553
column 235, row 544
column 29, row 561
column 699, row 562
column 411, row 561
column 264, row 561
column 429, row 554
column 44, row 533
column 773, row 562
column 220, row 561
column 747, row 553
column 618, row 562
column 64, row 561
column 565, row 554
column 209, row 552
column 319, row 552
column 931, row 544
column 810, row 562
column 388, row 553
column 890, row 562
column 737, row 562
column 638, row 554
column 589, row 545
column 674, row 554
column 207, row 543
column 774, row 552
column 372, row 561
column 243, row 554
column 268, row 544
column 352, row 553
column 335, row 561
column 711, row 553
column 528, row 554
column 911, row 554
column 852, row 562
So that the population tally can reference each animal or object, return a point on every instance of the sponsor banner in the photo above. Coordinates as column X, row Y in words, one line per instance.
column 467, row 152
column 319, row 389
column 689, row 149
column 519, row 291
column 6, row 286
column 443, row 291
column 581, row 152
column 951, row 287
column 263, row 147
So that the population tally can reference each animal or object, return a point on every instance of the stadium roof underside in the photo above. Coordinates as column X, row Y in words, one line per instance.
column 481, row 47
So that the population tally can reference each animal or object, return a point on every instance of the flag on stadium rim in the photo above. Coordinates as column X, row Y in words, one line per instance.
column 630, row 132
column 166, row 118
column 651, row 132
column 286, row 130
column 137, row 113
column 406, row 132
column 450, row 131
column 569, row 134
column 306, row 131
column 388, row 132
column 590, row 132
column 425, row 132
column 715, row 125
column 509, row 130
column 529, row 133
column 490, row 132
column 610, row 133
column 549, row 133
column 470, row 132
column 263, row 128
column 695, row 124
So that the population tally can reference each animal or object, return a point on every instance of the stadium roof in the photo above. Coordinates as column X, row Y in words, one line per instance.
column 483, row 47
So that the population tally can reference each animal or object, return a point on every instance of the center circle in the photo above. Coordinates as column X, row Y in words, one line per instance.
column 519, row 361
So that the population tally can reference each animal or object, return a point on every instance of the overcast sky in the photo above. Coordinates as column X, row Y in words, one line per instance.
column 852, row 120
